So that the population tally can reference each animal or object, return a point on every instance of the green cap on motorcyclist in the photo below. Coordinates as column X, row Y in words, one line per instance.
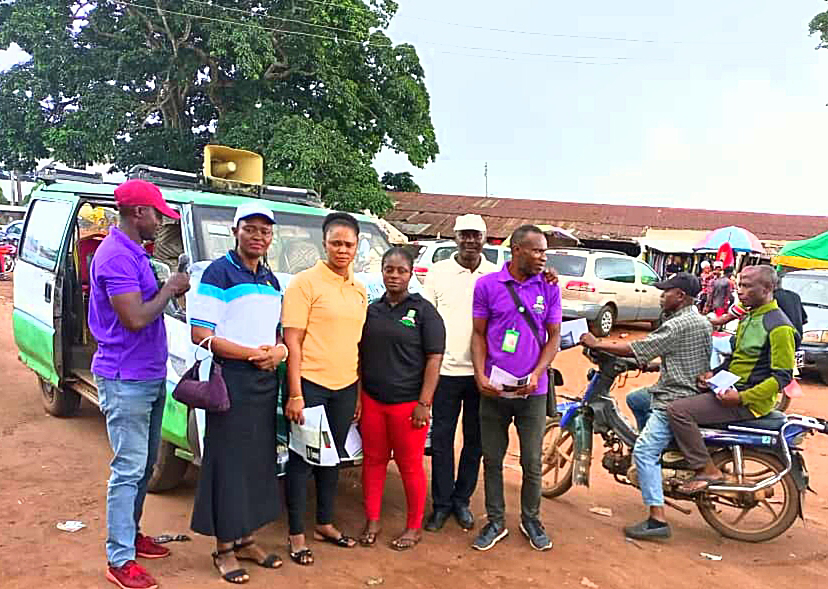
column 683, row 281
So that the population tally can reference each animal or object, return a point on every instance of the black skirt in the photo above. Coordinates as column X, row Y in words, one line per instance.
column 238, row 492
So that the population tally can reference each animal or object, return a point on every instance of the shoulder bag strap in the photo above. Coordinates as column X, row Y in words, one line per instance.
column 521, row 308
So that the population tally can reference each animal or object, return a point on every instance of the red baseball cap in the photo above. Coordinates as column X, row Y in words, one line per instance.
column 138, row 193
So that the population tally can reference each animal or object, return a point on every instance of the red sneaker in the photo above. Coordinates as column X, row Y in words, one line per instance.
column 131, row 575
column 146, row 547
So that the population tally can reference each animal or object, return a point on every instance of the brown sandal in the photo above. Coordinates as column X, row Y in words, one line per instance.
column 402, row 544
column 368, row 538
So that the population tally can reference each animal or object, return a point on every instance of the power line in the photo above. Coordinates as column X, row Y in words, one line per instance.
column 513, row 31
column 361, row 43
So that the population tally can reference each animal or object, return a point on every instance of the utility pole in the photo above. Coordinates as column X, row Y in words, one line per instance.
column 486, row 176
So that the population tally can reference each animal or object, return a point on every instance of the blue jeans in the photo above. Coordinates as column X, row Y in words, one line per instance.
column 639, row 403
column 652, row 441
column 133, row 411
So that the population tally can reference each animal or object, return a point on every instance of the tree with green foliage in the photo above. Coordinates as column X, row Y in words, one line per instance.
column 399, row 182
column 819, row 24
column 315, row 86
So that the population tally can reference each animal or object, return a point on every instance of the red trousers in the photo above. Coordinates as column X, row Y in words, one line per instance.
column 386, row 428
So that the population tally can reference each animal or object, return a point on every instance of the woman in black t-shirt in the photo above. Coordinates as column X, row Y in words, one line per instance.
column 400, row 354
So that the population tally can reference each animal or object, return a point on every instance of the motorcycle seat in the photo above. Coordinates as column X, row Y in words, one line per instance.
column 772, row 421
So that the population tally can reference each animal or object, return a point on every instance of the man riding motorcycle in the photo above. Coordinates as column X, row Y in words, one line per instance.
column 683, row 344
column 763, row 359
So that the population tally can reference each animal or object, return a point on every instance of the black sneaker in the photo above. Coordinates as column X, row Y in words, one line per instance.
column 464, row 517
column 491, row 534
column 649, row 529
column 536, row 533
column 436, row 521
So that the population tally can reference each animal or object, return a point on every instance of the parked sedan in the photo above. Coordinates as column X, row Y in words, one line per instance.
column 605, row 287
column 812, row 288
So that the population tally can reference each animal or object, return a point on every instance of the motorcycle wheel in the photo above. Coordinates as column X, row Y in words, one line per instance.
column 558, row 460
column 751, row 517
column 8, row 262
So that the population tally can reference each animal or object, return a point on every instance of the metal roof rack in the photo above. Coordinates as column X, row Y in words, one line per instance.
column 51, row 174
column 196, row 181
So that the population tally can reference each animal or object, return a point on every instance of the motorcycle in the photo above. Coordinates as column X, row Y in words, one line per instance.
column 765, row 473
column 8, row 256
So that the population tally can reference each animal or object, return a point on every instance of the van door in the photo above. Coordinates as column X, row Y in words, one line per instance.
column 616, row 280
column 38, row 285
column 649, row 306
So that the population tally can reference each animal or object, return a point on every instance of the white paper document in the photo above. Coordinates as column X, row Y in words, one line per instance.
column 353, row 443
column 722, row 381
column 506, row 382
column 571, row 332
column 313, row 439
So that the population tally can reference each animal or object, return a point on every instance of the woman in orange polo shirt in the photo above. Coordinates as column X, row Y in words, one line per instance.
column 323, row 313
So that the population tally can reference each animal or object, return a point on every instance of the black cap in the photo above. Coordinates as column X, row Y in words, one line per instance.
column 684, row 281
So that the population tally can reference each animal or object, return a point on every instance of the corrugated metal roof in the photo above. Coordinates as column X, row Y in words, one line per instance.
column 433, row 214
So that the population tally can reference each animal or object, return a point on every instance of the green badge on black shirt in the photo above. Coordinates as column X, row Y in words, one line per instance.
column 408, row 320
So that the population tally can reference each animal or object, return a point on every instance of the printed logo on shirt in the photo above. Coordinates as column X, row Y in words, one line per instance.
column 409, row 320
column 539, row 306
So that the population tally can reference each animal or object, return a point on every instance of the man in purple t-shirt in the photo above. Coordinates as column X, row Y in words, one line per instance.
column 517, row 328
column 130, row 367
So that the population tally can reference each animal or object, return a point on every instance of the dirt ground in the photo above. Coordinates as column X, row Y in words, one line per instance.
column 56, row 469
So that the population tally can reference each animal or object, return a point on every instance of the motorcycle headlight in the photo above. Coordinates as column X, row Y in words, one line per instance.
column 815, row 337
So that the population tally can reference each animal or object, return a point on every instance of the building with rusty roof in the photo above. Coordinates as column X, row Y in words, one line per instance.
column 421, row 215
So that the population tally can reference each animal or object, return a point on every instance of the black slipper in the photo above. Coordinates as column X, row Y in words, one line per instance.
column 303, row 557
column 343, row 541
column 230, row 576
column 271, row 561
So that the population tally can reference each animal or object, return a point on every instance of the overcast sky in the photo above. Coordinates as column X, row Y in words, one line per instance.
column 697, row 104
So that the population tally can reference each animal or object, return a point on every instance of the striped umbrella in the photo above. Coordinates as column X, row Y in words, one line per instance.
column 741, row 240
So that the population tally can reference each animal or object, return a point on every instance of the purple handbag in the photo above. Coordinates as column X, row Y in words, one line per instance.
column 211, row 394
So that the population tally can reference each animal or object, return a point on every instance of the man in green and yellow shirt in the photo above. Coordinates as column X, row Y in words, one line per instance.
column 763, row 359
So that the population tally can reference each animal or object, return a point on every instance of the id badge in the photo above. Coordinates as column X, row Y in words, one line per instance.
column 510, row 341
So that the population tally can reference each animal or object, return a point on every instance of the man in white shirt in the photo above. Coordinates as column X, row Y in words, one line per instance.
column 449, row 286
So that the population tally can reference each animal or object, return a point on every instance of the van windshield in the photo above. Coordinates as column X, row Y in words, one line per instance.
column 813, row 290
column 297, row 240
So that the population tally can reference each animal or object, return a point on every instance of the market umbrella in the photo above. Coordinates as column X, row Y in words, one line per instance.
column 741, row 240
column 806, row 254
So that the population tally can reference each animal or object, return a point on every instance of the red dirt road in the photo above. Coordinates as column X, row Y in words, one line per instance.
column 56, row 469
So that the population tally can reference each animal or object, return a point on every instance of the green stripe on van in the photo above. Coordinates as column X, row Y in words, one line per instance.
column 36, row 344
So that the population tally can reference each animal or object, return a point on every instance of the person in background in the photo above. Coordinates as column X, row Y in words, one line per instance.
column 449, row 286
column 683, row 344
column 237, row 306
column 722, row 293
column 763, row 359
column 517, row 328
column 674, row 266
column 126, row 309
column 707, row 279
column 400, row 354
column 323, row 317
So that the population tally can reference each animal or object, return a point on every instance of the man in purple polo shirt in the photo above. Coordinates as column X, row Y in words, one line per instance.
column 130, row 366
column 514, row 311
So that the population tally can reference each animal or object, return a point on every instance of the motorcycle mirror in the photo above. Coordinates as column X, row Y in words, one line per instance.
column 183, row 262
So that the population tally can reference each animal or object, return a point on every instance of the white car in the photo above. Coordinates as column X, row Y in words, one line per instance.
column 428, row 253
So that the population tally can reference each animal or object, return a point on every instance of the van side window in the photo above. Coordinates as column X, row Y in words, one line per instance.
column 648, row 276
column 615, row 269
column 44, row 232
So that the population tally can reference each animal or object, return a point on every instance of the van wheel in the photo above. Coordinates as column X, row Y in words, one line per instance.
column 603, row 322
column 168, row 471
column 58, row 401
